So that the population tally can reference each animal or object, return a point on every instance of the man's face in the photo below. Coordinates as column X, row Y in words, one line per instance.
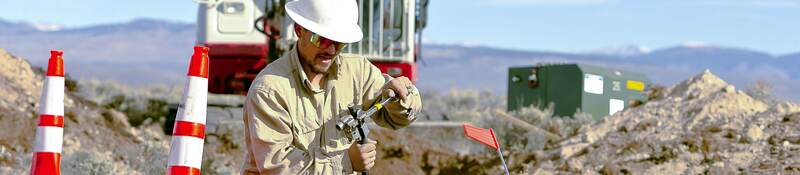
column 316, row 59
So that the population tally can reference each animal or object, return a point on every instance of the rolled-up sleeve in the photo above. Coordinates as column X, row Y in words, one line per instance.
column 396, row 114
column 267, row 132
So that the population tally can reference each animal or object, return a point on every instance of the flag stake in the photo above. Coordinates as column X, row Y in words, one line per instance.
column 499, row 151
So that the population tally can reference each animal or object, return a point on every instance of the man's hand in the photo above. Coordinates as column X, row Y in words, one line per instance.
column 399, row 86
column 362, row 157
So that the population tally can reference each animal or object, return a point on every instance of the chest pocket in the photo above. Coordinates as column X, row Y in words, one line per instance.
column 305, row 123
column 337, row 140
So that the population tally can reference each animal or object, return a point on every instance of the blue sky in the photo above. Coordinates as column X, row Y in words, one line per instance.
column 772, row 26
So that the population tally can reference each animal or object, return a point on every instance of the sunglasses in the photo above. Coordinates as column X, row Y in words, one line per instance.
column 322, row 42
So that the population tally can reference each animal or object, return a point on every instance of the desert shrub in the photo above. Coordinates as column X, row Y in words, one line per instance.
column 101, row 91
column 138, row 112
column 141, row 105
column 71, row 84
column 761, row 90
column 83, row 162
column 478, row 107
column 459, row 105
column 655, row 92
column 519, row 139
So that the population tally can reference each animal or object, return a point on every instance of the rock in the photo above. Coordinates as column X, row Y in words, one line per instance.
column 755, row 133
column 569, row 151
column 741, row 159
column 667, row 168
column 544, row 172
column 729, row 89
column 71, row 145
column 593, row 134
column 576, row 164
column 4, row 154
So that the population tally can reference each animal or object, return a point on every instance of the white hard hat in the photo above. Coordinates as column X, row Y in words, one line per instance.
column 333, row 19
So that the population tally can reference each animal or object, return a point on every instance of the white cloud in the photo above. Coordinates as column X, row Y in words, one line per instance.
column 550, row 2
column 696, row 44
column 44, row 27
column 623, row 50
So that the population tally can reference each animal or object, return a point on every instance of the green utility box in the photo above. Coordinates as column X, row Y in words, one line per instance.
column 575, row 87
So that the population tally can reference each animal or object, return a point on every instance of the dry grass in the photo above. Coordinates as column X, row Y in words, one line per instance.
column 762, row 90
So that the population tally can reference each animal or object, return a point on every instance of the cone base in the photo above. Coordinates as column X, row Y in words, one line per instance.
column 183, row 170
column 46, row 163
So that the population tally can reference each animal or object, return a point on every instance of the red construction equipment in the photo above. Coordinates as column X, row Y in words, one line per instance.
column 244, row 36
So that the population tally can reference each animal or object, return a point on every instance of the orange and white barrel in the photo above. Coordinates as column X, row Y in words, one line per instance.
column 50, row 130
column 186, row 152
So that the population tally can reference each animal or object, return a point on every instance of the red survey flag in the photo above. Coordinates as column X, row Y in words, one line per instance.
column 485, row 136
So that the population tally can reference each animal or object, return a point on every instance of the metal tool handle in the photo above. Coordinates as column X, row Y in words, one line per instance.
column 363, row 140
column 380, row 105
column 360, row 116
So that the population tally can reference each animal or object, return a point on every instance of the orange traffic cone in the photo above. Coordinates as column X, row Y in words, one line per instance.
column 50, row 131
column 186, row 152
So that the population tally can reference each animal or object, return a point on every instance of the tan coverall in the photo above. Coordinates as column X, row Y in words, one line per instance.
column 290, row 127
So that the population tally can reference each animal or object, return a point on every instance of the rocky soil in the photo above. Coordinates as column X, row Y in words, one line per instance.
column 96, row 140
column 700, row 126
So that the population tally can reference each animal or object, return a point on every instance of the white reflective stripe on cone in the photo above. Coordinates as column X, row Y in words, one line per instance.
column 52, row 101
column 48, row 139
column 186, row 151
column 195, row 101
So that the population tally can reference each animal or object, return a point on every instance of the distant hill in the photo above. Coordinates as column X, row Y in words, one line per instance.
column 455, row 66
column 147, row 51
column 137, row 52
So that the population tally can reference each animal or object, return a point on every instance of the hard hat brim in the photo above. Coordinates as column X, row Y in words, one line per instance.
column 344, row 33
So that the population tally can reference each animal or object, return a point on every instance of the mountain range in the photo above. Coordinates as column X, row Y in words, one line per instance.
column 152, row 51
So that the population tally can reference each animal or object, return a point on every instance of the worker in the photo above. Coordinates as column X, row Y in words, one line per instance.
column 293, row 104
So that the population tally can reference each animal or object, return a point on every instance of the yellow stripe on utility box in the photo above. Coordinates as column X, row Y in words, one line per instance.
column 635, row 85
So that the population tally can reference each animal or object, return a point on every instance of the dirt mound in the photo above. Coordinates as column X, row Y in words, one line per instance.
column 702, row 125
column 96, row 140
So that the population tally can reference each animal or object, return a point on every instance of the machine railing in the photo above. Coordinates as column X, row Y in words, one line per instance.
column 387, row 32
